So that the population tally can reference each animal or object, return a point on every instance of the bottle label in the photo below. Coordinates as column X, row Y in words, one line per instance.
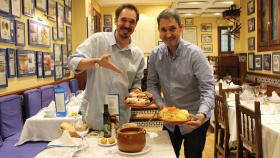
column 107, row 130
column 59, row 101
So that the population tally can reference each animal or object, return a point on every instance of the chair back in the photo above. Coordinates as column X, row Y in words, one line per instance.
column 11, row 121
column 32, row 102
column 249, row 129
column 221, row 129
column 74, row 86
column 66, row 87
column 47, row 95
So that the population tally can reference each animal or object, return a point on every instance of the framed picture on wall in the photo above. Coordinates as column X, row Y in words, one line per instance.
column 20, row 33
column 206, row 38
column 7, row 31
column 58, row 72
column 276, row 62
column 251, row 7
column 68, row 15
column 41, row 5
column 51, row 10
column 3, row 69
column 47, row 64
column 69, row 38
column 5, row 6
column 60, row 21
column 243, row 57
column 28, row 7
column 39, row 34
column 26, row 63
column 65, row 54
column 188, row 21
column 267, row 62
column 54, row 32
column 251, row 61
column 107, row 29
column 107, row 20
column 251, row 43
column 207, row 48
column 16, row 8
column 57, row 54
column 11, row 62
column 251, row 24
column 206, row 27
column 68, row 3
column 39, row 64
column 258, row 62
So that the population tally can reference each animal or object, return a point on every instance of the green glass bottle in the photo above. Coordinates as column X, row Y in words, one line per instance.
column 106, row 122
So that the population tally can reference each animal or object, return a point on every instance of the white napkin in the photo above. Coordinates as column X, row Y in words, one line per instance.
column 274, row 96
column 231, row 97
column 65, row 140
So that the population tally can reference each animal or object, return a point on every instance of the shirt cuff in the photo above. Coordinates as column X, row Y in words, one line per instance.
column 205, row 111
column 74, row 64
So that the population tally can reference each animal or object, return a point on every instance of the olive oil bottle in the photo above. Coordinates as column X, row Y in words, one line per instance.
column 106, row 122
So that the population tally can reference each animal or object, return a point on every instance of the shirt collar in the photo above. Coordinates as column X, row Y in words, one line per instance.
column 113, row 41
column 178, row 51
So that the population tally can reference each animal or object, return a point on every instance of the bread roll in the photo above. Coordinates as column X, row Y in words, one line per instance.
column 69, row 128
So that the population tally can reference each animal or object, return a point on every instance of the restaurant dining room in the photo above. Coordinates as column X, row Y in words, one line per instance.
column 139, row 78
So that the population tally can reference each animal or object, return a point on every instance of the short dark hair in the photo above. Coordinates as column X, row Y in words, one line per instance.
column 126, row 6
column 169, row 13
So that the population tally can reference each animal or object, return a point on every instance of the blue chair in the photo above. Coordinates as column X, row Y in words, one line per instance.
column 66, row 87
column 32, row 102
column 74, row 86
column 47, row 95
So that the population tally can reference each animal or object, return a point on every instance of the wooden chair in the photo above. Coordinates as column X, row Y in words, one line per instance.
column 228, row 90
column 249, row 129
column 221, row 129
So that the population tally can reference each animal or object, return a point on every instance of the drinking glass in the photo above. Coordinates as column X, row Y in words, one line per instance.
column 81, row 131
column 263, row 88
column 227, row 79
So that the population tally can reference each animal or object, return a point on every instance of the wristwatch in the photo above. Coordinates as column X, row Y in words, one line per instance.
column 96, row 64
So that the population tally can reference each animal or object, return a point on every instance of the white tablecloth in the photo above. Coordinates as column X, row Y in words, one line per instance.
column 160, row 147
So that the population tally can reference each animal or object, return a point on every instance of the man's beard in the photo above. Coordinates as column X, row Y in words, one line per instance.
column 127, row 34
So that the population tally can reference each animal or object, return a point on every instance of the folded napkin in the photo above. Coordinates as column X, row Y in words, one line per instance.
column 274, row 96
column 65, row 140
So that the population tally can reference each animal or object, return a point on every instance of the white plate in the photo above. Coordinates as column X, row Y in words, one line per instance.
column 108, row 144
column 146, row 149
column 274, row 100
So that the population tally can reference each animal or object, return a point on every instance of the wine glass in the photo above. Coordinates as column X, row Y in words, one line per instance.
column 81, row 129
column 263, row 88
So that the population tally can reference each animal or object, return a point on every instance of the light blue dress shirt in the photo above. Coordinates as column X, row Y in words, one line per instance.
column 102, row 81
column 185, row 79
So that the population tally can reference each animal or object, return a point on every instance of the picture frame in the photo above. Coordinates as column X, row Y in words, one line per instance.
column 20, row 33
column 41, row 5
column 251, row 43
column 107, row 21
column 189, row 21
column 250, row 7
column 48, row 64
column 258, row 62
column 3, row 69
column 206, row 38
column 190, row 34
column 5, row 6
column 251, row 61
column 7, row 29
column 206, row 27
column 57, row 54
column 60, row 21
column 26, row 63
column 251, row 24
column 68, row 3
column 51, row 10
column 16, row 8
column 207, row 48
column 65, row 55
column 39, row 64
column 54, row 33
column 11, row 62
column 276, row 62
column 69, row 38
column 267, row 62
column 67, row 15
column 38, row 34
column 107, row 29
column 243, row 57
column 28, row 8
column 58, row 72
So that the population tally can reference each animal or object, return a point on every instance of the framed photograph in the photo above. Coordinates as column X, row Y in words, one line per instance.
column 41, row 5
column 26, row 63
column 65, row 54
column 276, row 62
column 11, row 62
column 28, row 7
column 188, row 21
column 20, row 33
column 251, row 7
column 5, row 6
column 39, row 34
column 69, row 38
column 107, row 29
column 251, row 43
column 206, row 38
column 243, row 57
column 58, row 72
column 7, row 31
column 207, row 48
column 16, row 8
column 54, row 33
column 39, row 64
column 60, row 21
column 51, row 10
column 3, row 69
column 68, row 3
column 206, row 27
column 57, row 54
column 258, row 62
column 190, row 34
column 267, row 62
column 68, row 15
column 251, row 61
column 251, row 24
column 107, row 20
column 48, row 65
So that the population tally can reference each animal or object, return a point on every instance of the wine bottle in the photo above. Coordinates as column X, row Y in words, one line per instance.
column 106, row 122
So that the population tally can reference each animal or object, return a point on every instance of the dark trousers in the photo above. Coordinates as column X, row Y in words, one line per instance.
column 193, row 142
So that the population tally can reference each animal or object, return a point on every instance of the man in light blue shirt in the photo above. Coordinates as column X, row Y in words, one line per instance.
column 180, row 70
column 97, row 54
